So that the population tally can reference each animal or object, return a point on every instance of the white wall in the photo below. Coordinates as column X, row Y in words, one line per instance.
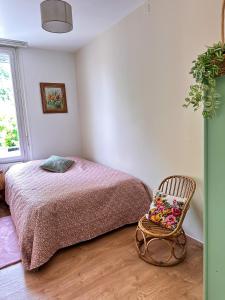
column 50, row 133
column 132, row 82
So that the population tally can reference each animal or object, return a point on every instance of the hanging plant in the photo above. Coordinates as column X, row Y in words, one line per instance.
column 206, row 68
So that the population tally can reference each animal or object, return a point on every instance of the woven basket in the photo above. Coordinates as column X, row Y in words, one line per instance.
column 2, row 180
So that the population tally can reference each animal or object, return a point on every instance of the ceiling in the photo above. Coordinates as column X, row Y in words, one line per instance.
column 20, row 20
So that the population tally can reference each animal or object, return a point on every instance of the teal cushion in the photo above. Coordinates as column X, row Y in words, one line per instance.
column 57, row 164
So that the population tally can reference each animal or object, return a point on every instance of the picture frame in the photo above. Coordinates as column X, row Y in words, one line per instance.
column 53, row 97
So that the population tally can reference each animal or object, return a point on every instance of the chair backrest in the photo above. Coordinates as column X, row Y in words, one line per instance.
column 180, row 186
column 177, row 185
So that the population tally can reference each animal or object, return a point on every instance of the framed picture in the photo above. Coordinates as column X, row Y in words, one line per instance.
column 53, row 97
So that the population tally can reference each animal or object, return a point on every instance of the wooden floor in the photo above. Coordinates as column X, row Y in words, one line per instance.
column 105, row 268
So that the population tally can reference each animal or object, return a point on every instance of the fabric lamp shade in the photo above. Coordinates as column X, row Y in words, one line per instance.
column 56, row 16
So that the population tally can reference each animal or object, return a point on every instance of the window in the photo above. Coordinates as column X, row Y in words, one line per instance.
column 12, row 127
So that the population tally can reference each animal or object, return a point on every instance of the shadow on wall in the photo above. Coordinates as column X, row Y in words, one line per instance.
column 194, row 220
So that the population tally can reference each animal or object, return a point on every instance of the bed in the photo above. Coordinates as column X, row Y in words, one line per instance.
column 55, row 210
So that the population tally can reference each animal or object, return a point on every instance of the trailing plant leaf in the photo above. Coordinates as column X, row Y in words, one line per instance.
column 205, row 70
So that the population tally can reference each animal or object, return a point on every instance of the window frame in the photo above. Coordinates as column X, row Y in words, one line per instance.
column 19, row 106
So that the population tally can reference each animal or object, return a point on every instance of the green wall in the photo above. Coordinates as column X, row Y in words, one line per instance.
column 215, row 202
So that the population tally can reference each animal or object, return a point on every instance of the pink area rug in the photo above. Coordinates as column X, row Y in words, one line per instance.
column 9, row 249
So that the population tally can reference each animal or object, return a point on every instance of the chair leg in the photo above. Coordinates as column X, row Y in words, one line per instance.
column 176, row 248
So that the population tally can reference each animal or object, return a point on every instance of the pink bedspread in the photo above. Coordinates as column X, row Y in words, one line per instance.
column 55, row 210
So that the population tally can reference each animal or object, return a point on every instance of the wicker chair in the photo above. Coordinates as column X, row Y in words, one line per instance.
column 149, row 234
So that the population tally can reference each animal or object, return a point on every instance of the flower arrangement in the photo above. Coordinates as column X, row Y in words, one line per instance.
column 55, row 99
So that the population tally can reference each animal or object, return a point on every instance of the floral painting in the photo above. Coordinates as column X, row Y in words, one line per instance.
column 53, row 97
